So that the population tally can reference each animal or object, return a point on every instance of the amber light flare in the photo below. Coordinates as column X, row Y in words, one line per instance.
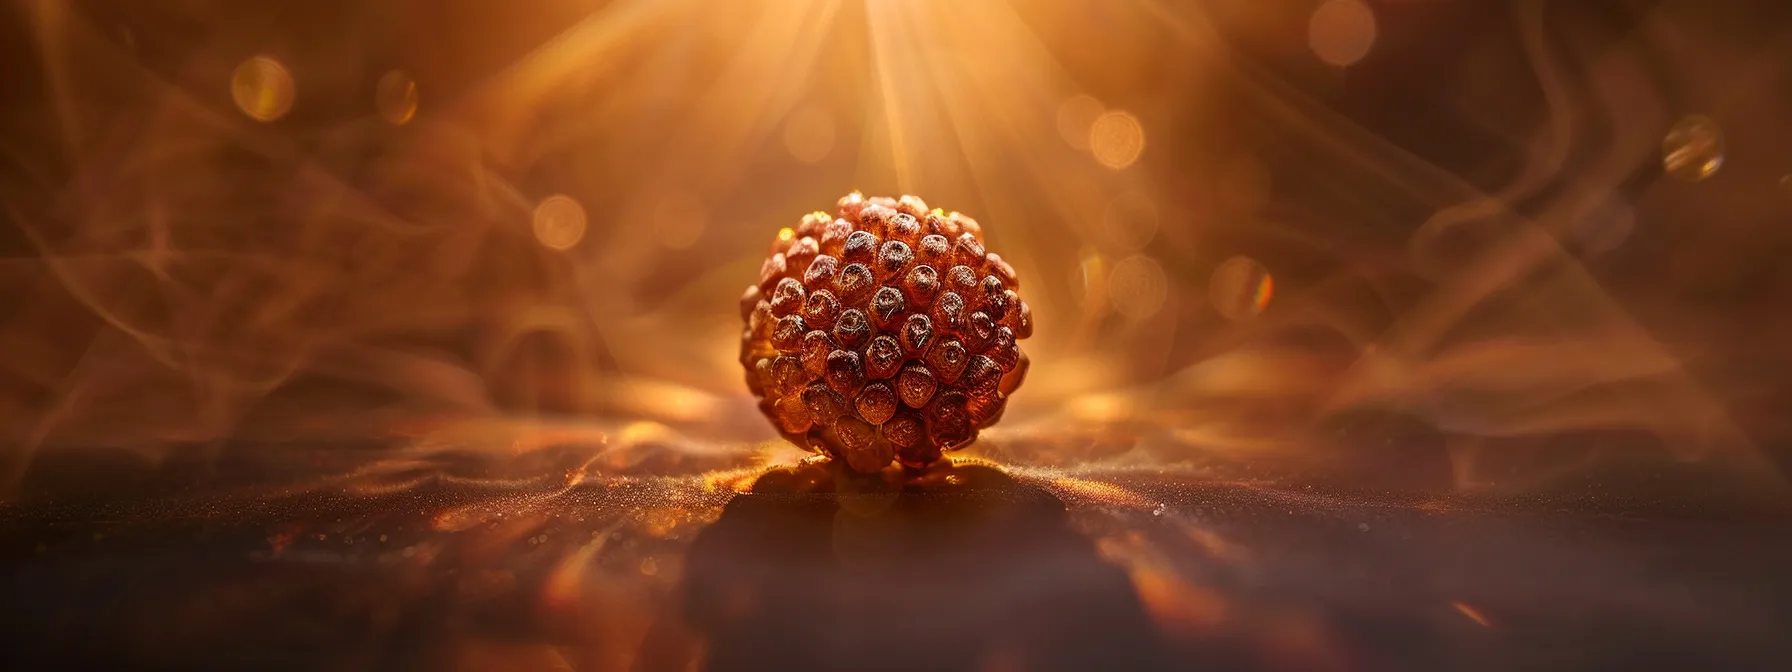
column 576, row 243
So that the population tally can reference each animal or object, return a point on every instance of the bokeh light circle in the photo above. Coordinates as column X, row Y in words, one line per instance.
column 1693, row 148
column 1340, row 32
column 262, row 88
column 1116, row 139
column 1241, row 288
column 396, row 97
column 1137, row 287
column 559, row 222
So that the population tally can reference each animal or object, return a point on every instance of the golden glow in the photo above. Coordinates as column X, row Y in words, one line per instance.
column 678, row 220
column 559, row 222
column 1472, row 613
column 668, row 117
column 1116, row 139
column 786, row 234
column 1137, row 287
column 1341, row 32
column 1100, row 408
column 809, row 134
column 1130, row 220
column 1076, row 116
column 396, row 97
column 262, row 88
column 1693, row 149
column 1241, row 288
column 1100, row 492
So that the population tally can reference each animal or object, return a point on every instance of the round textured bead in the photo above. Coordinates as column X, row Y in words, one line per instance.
column 887, row 333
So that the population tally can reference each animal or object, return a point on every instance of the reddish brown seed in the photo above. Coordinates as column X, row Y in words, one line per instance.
column 833, row 236
column 887, row 308
column 812, row 224
column 751, row 349
column 963, row 280
column 858, row 440
column 762, row 370
column 934, row 251
column 1003, row 349
column 753, row 357
column 875, row 219
column 916, row 334
column 876, row 403
column 861, row 248
column 948, row 312
column 888, row 332
column 801, row 253
column 949, row 228
column 749, row 300
column 762, row 321
column 977, row 331
column 755, row 380
column 853, row 435
column 995, row 297
column 966, row 224
column 758, row 330
column 821, row 272
column 846, row 373
column 816, row 346
column 852, row 330
column 788, row 336
column 1012, row 380
column 935, row 224
column 771, row 271
column 921, row 284
column 982, row 378
column 821, row 309
column 1011, row 315
column 968, row 250
column 1002, row 269
column 947, row 420
column 787, row 374
column 905, row 229
column 854, row 285
column 984, row 411
column 793, row 416
column 916, row 385
column 883, row 358
column 892, row 259
column 905, row 432
column 947, row 358
column 787, row 297
column 911, row 205
column 922, row 453
column 849, row 206
column 824, row 405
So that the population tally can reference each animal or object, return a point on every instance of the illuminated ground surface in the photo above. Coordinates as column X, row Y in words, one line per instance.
column 967, row 570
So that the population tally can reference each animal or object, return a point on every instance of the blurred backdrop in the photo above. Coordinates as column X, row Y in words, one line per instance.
column 1428, row 245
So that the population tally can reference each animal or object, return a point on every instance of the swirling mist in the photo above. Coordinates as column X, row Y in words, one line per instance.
column 1440, row 266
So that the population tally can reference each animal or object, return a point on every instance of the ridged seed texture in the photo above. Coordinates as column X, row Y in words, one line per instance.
column 883, row 332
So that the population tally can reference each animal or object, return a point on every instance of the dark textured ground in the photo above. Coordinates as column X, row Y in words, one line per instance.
column 988, row 573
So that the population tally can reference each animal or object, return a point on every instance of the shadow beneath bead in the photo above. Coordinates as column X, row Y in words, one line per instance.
column 959, row 567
